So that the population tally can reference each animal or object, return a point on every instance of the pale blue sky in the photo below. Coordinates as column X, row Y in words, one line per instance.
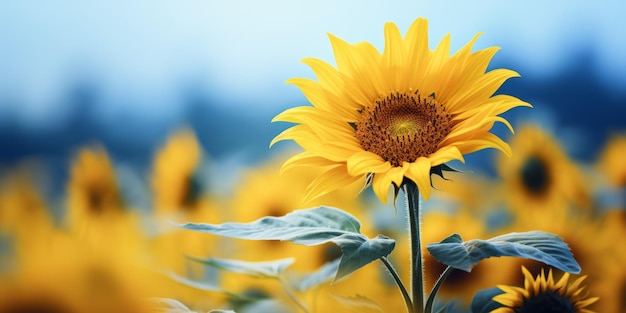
column 142, row 53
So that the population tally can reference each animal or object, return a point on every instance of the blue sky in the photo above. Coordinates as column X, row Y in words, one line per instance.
column 245, row 50
column 143, row 56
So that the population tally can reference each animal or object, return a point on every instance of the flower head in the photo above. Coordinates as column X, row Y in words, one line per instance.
column 92, row 189
column 544, row 295
column 399, row 114
column 541, row 177
column 173, row 182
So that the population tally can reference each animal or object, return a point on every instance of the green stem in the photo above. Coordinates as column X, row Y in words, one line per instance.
column 292, row 295
column 417, row 275
column 431, row 298
column 396, row 277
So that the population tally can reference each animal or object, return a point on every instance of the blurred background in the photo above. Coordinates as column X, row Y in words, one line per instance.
column 125, row 76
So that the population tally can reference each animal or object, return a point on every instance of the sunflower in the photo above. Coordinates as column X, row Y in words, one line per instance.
column 65, row 276
column 543, row 294
column 469, row 192
column 402, row 113
column 96, row 213
column 24, row 215
column 540, row 177
column 610, row 274
column 178, row 195
column 92, row 190
column 174, row 183
column 592, row 243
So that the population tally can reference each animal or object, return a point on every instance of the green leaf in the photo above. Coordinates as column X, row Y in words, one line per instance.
column 536, row 245
column 257, row 269
column 310, row 227
column 325, row 273
column 195, row 284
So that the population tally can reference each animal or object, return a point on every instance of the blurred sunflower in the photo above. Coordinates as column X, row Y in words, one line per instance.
column 179, row 195
column 612, row 291
column 543, row 294
column 97, row 216
column 175, row 185
column 264, row 191
column 72, row 279
column 398, row 114
column 610, row 274
column 96, row 213
column 468, row 192
column 540, row 177
column 24, row 215
column 592, row 242
column 92, row 190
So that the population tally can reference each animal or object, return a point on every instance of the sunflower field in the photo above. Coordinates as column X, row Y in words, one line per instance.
column 411, row 175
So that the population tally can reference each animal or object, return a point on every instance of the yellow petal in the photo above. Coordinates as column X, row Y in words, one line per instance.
column 332, row 179
column 432, row 79
column 419, row 172
column 446, row 154
column 476, row 66
column 419, row 54
column 481, row 90
column 394, row 57
column 306, row 159
column 487, row 140
column 586, row 302
column 382, row 181
column 453, row 72
column 328, row 77
column 298, row 133
column 337, row 151
column 350, row 63
column 380, row 186
column 321, row 122
column 365, row 162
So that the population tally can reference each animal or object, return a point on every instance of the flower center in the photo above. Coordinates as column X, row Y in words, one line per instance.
column 535, row 177
column 547, row 302
column 403, row 127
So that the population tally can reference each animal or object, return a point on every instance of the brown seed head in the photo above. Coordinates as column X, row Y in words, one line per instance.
column 403, row 127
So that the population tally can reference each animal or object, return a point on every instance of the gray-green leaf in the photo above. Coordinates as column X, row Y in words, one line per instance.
column 257, row 269
column 537, row 245
column 325, row 273
column 359, row 303
column 310, row 227
column 195, row 284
